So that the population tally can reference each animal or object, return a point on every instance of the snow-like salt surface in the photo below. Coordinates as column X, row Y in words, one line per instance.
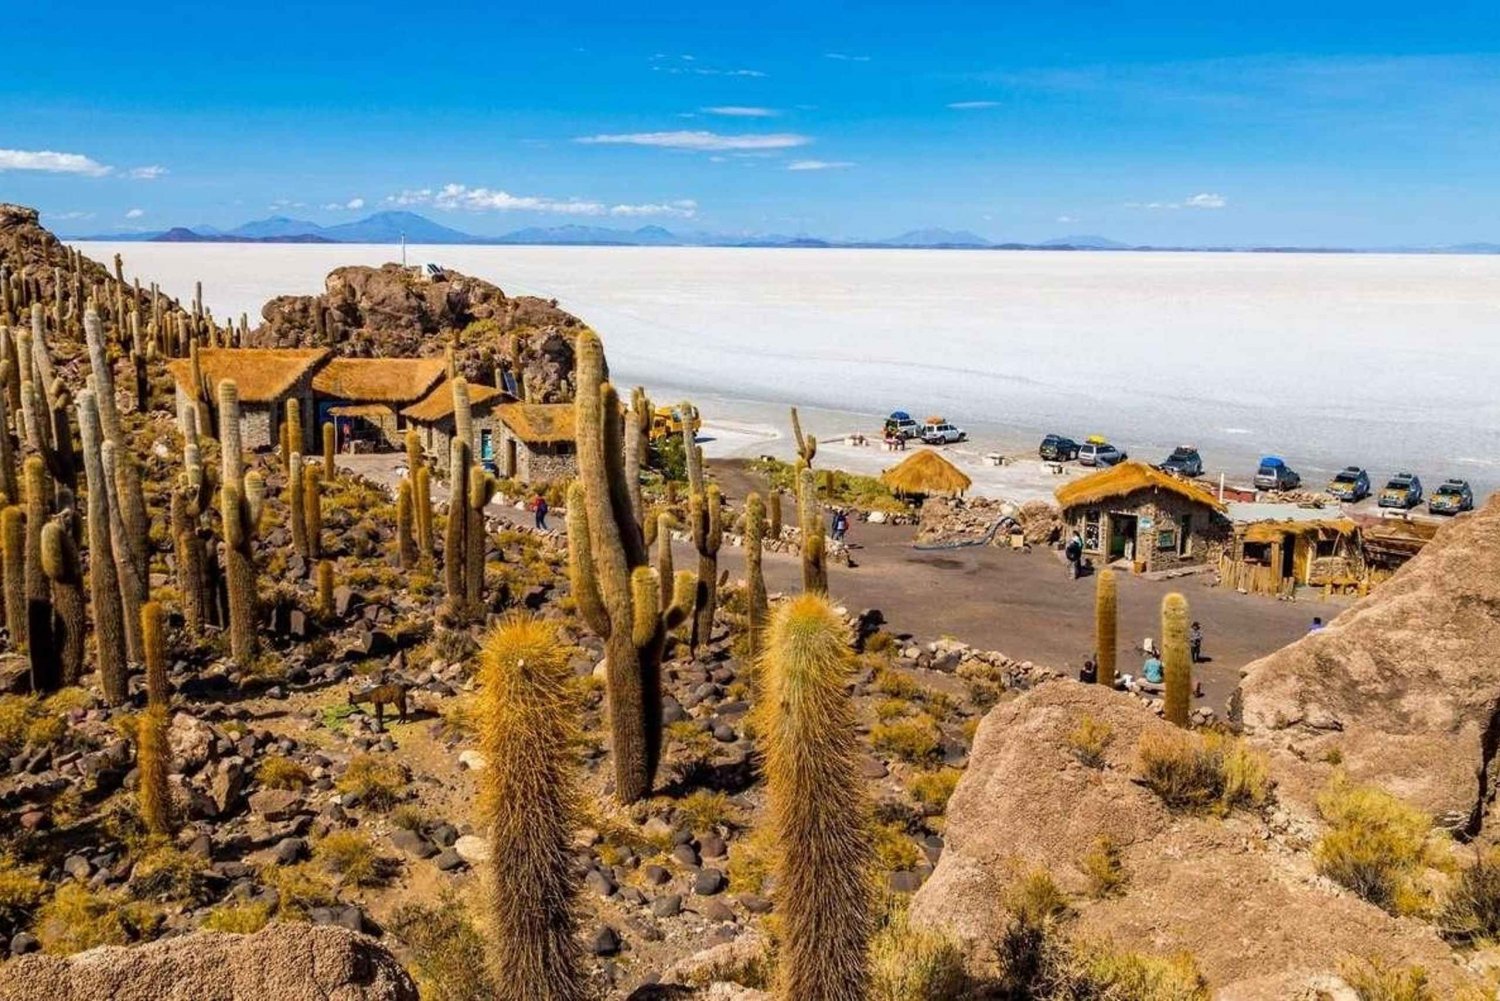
column 1387, row 361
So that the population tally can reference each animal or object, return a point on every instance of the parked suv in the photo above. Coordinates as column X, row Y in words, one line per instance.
column 1056, row 448
column 1090, row 454
column 1184, row 461
column 942, row 434
column 1453, row 497
column 1404, row 491
column 1274, row 474
column 1351, row 485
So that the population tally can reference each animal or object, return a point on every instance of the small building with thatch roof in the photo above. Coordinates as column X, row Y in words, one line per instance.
column 1275, row 557
column 267, row 378
column 924, row 473
column 363, row 397
column 531, row 442
column 1140, row 514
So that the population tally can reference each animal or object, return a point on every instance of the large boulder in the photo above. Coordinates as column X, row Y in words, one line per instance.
column 367, row 312
column 280, row 961
column 1402, row 689
column 1238, row 893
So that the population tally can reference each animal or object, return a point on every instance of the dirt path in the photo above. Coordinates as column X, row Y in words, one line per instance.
column 1022, row 604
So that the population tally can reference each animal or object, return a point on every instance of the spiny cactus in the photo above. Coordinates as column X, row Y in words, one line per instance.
column 231, row 455
column 476, row 538
column 9, row 479
column 406, row 543
column 757, row 605
column 463, row 414
column 293, row 425
column 1177, row 662
column 530, row 806
column 456, row 535
column 810, row 523
column 297, row 503
column 816, row 804
column 129, row 531
column 330, row 467
column 153, row 751
column 807, row 445
column 705, row 512
column 13, row 541
column 38, row 510
column 104, row 379
column 61, row 564
column 606, row 548
column 664, row 526
column 240, row 498
column 312, row 510
column 637, row 445
column 421, row 488
column 773, row 530
column 1106, row 620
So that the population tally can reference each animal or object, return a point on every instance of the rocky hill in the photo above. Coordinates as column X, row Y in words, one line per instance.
column 371, row 312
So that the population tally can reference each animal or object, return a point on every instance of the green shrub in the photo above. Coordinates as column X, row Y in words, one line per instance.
column 77, row 918
column 1035, row 910
column 916, row 739
column 933, row 789
column 21, row 890
column 1376, row 845
column 281, row 772
column 1190, row 771
column 351, row 856
column 1471, row 911
column 1104, row 868
column 241, row 919
column 1374, row 979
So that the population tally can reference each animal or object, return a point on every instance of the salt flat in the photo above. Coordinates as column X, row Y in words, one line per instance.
column 1388, row 361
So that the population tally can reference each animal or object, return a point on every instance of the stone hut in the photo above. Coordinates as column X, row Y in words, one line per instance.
column 537, row 442
column 1277, row 557
column 1148, row 518
column 266, row 377
column 363, row 397
column 432, row 416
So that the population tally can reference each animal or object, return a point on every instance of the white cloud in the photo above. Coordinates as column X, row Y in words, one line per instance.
column 844, row 57
column 740, row 111
column 69, row 215
column 973, row 105
column 349, row 206
column 151, row 173
column 1203, row 200
column 135, row 213
column 1066, row 218
column 412, row 196
column 51, row 162
column 682, row 208
column 286, row 203
column 355, row 203
column 699, row 140
column 818, row 164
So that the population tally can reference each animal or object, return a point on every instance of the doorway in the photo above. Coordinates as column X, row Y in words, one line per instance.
column 1122, row 529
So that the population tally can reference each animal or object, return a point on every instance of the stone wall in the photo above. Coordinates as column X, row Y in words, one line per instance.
column 543, row 463
column 1158, row 516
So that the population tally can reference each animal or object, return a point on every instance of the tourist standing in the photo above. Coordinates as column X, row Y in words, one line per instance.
column 1074, row 553
column 539, row 509
column 1195, row 642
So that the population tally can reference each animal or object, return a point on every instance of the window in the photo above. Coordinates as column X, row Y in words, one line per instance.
column 1166, row 540
column 1091, row 531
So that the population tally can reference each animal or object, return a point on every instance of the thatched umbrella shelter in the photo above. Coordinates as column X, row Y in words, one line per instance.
column 926, row 472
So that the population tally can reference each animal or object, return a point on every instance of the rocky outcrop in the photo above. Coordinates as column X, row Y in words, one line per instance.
column 1402, row 689
column 390, row 311
column 1239, row 893
column 26, row 246
column 281, row 961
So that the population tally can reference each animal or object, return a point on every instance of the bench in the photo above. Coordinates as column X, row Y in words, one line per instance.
column 1055, row 467
column 995, row 459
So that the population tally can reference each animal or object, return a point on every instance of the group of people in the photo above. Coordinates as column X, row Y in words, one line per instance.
column 1153, row 671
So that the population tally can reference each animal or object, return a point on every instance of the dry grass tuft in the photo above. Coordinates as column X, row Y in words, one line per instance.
column 1089, row 740
column 378, row 782
column 1376, row 846
column 238, row 919
column 281, row 772
column 1191, row 771
column 907, row 964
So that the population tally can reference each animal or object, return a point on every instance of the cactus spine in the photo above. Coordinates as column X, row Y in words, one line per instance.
column 816, row 804
column 61, row 564
column 530, row 803
column 1106, row 621
column 13, row 541
column 1177, row 664
column 606, row 549
column 330, row 468
column 810, row 523
column 152, row 748
column 406, row 543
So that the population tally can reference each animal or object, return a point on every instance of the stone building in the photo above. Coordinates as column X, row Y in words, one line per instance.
column 266, row 377
column 537, row 442
column 363, row 397
column 1151, row 520
column 432, row 416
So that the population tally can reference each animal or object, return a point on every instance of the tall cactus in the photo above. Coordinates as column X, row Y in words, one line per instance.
column 1106, row 621
column 807, row 445
column 296, row 503
column 816, row 802
column 153, row 751
column 61, row 564
column 312, row 510
column 421, row 488
column 810, row 523
column 664, row 570
column 330, row 467
column 773, row 530
column 463, row 414
column 104, row 379
column 325, row 589
column 530, row 804
column 240, row 499
column 406, row 543
column 606, row 549
column 637, row 444
column 757, row 605
column 476, row 537
column 9, row 478
column 705, row 512
column 129, row 530
column 1177, row 661
column 456, row 535
column 13, row 542
column 293, row 425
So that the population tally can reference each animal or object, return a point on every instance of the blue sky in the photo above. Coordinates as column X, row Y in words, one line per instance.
column 1335, row 123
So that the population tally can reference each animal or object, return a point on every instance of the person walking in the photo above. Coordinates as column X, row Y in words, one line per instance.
column 539, row 509
column 1074, row 553
column 1195, row 642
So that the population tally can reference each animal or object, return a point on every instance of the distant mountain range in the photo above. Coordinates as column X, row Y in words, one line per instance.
column 392, row 227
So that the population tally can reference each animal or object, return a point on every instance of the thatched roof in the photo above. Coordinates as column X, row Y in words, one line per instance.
column 379, row 380
column 438, row 404
column 926, row 472
column 370, row 411
column 1274, row 531
column 263, row 375
column 538, row 423
column 1127, row 478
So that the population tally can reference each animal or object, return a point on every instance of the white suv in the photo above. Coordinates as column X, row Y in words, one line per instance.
column 1092, row 454
column 942, row 434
